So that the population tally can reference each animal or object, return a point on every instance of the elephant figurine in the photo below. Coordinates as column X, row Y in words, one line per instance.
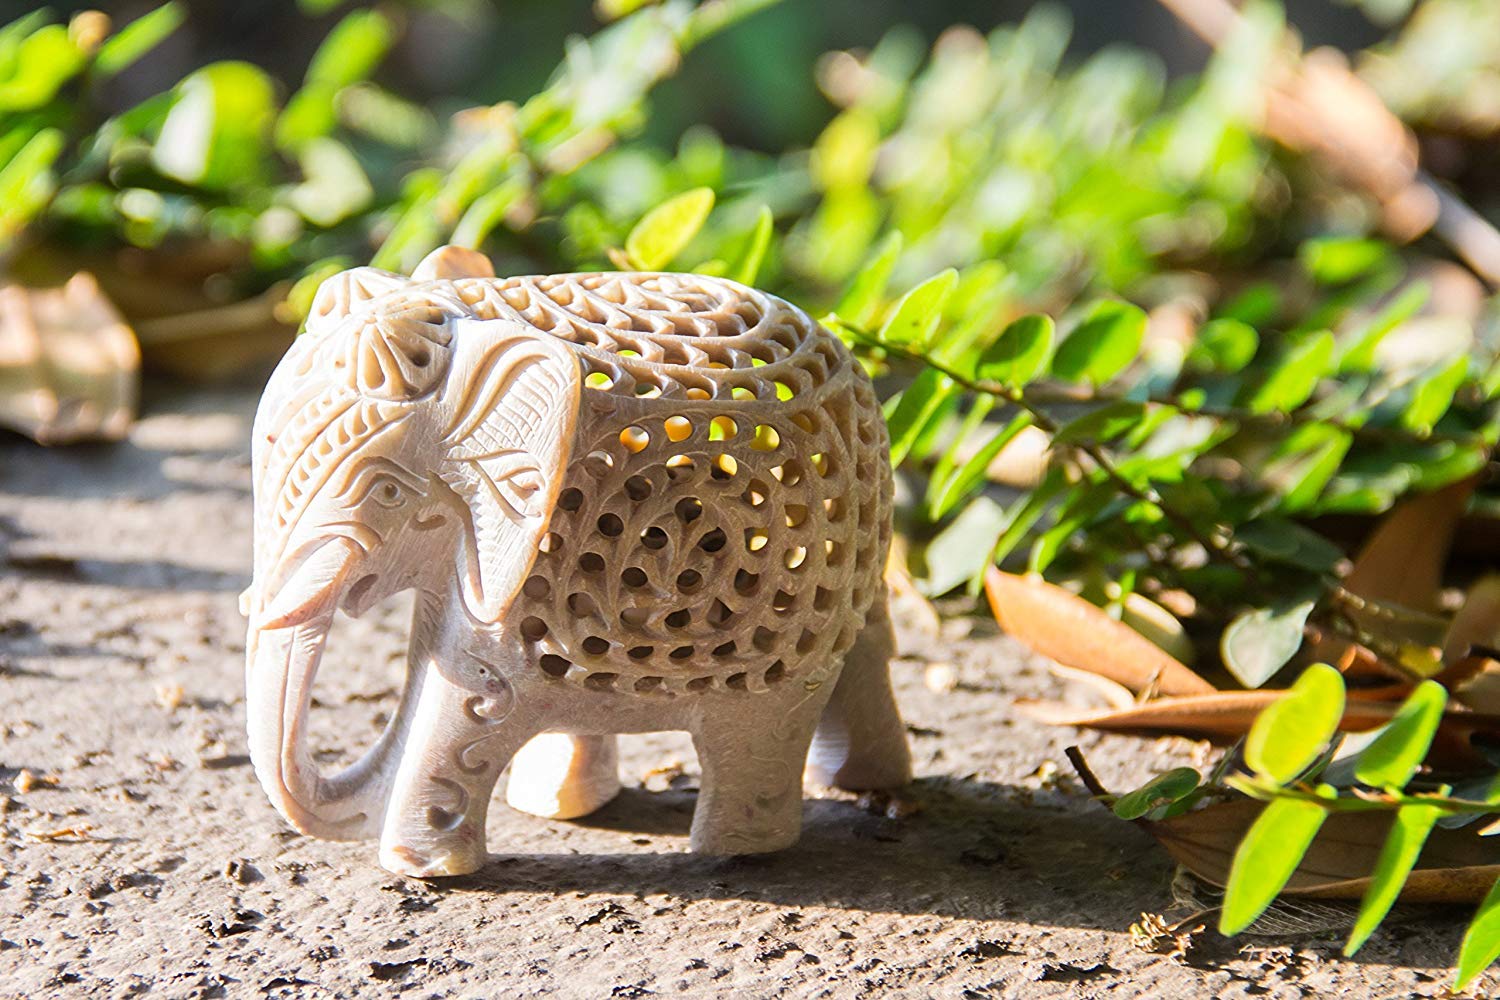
column 627, row 502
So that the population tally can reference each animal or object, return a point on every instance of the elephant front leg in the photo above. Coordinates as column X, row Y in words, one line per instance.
column 752, row 755
column 459, row 742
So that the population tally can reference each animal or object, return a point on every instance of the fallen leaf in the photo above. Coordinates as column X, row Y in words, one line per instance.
column 1402, row 562
column 69, row 366
column 1225, row 716
column 1075, row 633
column 1455, row 865
column 66, row 833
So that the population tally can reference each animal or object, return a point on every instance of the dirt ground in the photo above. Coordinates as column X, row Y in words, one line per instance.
column 154, row 865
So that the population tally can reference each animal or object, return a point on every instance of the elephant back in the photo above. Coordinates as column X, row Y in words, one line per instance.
column 724, row 521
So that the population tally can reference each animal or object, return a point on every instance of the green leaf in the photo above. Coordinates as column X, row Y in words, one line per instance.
column 1266, row 858
column 1409, row 831
column 860, row 303
column 1292, row 381
column 336, row 186
column 1432, row 397
column 1336, row 260
column 1481, row 945
column 1305, row 462
column 917, row 313
column 916, row 406
column 962, row 548
column 844, row 154
column 214, row 136
column 1261, row 641
column 27, row 182
column 1164, row 789
column 1020, row 353
column 1104, row 424
column 665, row 230
column 1286, row 541
column 1360, row 355
column 1101, row 346
column 1223, row 345
column 747, row 267
column 1393, row 758
column 43, row 61
column 972, row 472
column 352, row 50
column 1289, row 733
column 137, row 38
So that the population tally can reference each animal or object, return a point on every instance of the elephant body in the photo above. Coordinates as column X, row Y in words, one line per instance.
column 628, row 502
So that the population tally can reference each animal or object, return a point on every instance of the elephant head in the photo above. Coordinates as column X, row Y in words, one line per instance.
column 402, row 443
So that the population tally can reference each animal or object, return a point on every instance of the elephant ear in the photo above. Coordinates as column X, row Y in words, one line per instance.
column 349, row 292
column 513, row 403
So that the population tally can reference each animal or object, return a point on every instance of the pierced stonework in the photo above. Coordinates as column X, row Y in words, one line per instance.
column 618, row 496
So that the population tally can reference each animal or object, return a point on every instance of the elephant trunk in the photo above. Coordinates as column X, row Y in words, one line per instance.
column 282, row 662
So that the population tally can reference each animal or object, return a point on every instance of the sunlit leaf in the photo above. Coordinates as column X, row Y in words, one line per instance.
column 137, row 38
column 1104, row 424
column 746, row 267
column 844, row 154
column 860, row 303
column 1291, row 732
column 1294, row 377
column 352, row 50
column 966, row 477
column 42, row 62
column 1223, row 345
column 1020, row 353
column 1335, row 260
column 1403, row 844
column 664, row 231
column 1393, row 758
column 1161, row 790
column 963, row 547
column 1101, row 346
column 1266, row 858
column 1261, row 641
column 916, row 314
column 918, row 403
column 1360, row 354
column 215, row 134
column 1481, row 945
column 1432, row 397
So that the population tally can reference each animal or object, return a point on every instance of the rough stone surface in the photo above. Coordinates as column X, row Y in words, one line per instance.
column 121, row 658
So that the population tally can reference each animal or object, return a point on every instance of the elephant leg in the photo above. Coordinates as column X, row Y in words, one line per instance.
column 860, row 742
column 752, row 755
column 562, row 776
column 458, row 744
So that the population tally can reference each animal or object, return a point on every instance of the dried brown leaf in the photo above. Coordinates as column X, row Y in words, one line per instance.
column 1402, row 562
column 1455, row 865
column 69, row 366
column 1225, row 716
column 1075, row 633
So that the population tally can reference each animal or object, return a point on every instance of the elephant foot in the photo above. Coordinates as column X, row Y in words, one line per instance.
column 712, row 839
column 438, row 861
column 559, row 776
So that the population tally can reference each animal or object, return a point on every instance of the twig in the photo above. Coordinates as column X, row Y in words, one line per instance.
column 1085, row 773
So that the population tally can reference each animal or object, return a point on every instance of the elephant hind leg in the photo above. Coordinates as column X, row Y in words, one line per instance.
column 562, row 776
column 860, row 742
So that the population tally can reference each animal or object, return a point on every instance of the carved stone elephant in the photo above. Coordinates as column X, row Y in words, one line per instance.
column 626, row 503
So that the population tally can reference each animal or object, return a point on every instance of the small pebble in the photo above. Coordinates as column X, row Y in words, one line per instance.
column 940, row 677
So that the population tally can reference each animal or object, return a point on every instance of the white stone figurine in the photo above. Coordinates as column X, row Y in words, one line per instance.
column 626, row 502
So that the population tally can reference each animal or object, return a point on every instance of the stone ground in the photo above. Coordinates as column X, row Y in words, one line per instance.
column 154, row 866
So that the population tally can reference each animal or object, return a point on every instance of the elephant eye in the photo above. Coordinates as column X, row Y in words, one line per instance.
column 387, row 492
